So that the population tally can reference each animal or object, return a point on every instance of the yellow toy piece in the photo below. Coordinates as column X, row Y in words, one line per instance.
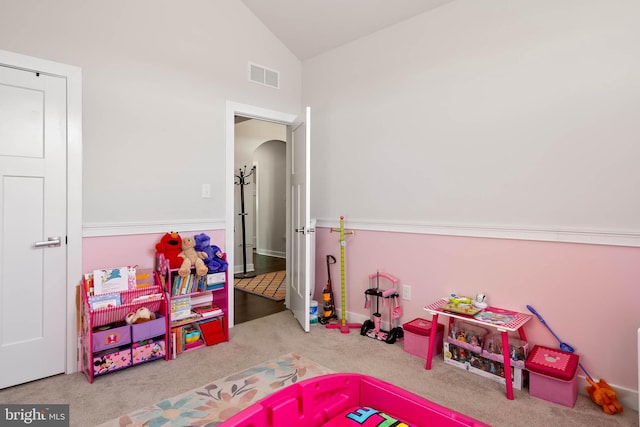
column 455, row 300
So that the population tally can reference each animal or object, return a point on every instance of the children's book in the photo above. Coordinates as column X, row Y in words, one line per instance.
column 208, row 310
column 496, row 316
column 201, row 299
column 104, row 301
column 180, row 308
column 110, row 280
column 213, row 287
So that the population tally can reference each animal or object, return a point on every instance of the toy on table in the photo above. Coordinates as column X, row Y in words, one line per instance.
column 481, row 301
column 457, row 299
column 460, row 305
column 192, row 258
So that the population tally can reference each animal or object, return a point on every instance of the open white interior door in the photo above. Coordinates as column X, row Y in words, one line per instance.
column 300, row 229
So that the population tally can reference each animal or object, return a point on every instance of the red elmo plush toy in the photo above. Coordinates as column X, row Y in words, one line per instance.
column 170, row 246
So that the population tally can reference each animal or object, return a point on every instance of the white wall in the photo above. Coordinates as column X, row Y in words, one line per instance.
column 272, row 191
column 156, row 78
column 249, row 136
column 495, row 114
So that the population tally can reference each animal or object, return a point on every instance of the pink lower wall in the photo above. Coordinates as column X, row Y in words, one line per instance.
column 139, row 249
column 586, row 293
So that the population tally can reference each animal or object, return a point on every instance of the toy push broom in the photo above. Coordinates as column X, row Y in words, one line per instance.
column 601, row 392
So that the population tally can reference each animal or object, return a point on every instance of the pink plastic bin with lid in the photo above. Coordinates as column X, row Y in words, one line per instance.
column 552, row 375
column 416, row 337
column 323, row 400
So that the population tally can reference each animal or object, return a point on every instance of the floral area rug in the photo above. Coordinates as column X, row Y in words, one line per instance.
column 213, row 403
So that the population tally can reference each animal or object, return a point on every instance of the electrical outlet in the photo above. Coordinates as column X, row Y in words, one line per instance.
column 406, row 292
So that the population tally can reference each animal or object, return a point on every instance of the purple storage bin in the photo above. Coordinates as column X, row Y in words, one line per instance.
column 109, row 338
column 150, row 329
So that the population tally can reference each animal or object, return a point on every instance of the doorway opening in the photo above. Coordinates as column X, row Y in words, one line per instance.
column 259, row 212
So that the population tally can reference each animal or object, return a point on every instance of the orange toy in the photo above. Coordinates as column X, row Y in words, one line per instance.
column 602, row 394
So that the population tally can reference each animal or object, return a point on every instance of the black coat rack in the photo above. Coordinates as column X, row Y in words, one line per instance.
column 241, row 180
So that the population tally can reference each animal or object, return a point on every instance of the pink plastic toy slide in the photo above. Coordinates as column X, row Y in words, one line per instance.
column 353, row 400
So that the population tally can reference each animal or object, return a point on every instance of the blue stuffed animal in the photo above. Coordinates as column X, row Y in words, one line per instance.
column 214, row 261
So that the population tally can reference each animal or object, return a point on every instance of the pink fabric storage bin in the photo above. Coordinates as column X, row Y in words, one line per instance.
column 150, row 329
column 148, row 350
column 110, row 338
column 109, row 362
column 416, row 337
column 552, row 375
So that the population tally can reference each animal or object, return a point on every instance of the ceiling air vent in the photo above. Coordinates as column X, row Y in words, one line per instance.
column 264, row 76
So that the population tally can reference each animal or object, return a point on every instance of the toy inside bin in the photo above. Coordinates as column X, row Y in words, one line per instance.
column 468, row 336
column 552, row 375
column 518, row 350
column 416, row 337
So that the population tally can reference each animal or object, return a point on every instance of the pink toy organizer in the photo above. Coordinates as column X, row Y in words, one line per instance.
column 345, row 400
column 121, row 340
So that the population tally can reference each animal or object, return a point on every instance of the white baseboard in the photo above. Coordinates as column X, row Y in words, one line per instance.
column 239, row 268
column 267, row 252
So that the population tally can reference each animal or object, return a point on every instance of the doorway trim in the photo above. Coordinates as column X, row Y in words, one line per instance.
column 236, row 109
column 73, row 77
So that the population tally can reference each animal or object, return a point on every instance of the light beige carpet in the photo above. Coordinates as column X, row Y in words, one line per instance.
column 251, row 343
column 268, row 285
column 223, row 398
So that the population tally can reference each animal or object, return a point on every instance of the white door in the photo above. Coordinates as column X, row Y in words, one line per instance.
column 300, row 180
column 33, row 291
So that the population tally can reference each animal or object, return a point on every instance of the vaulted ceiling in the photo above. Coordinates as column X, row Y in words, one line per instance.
column 311, row 27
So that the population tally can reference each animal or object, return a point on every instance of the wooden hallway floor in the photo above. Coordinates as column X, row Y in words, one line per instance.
column 248, row 306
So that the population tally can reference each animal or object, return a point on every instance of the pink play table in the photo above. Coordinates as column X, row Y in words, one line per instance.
column 515, row 322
